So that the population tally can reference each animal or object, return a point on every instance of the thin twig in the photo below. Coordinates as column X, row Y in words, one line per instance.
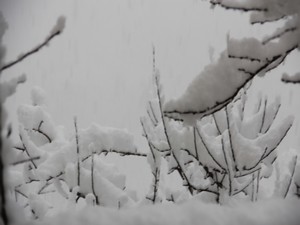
column 25, row 160
column 291, row 177
column 93, row 180
column 30, row 52
column 77, row 151
column 208, row 150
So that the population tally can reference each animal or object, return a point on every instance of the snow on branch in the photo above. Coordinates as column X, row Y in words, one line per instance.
column 237, row 5
column 56, row 30
column 294, row 79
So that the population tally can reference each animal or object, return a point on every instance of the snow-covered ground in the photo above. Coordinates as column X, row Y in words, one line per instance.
column 270, row 212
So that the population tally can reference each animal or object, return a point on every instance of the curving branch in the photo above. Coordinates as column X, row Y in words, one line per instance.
column 42, row 132
column 37, row 48
column 244, row 8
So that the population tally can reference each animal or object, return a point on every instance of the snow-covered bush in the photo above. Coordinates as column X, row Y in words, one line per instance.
column 68, row 165
column 243, row 59
column 225, row 154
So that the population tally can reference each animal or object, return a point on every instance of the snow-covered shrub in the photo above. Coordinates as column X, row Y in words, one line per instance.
column 243, row 59
column 68, row 165
column 225, row 154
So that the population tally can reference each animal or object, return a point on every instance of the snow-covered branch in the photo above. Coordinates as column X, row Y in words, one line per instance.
column 56, row 30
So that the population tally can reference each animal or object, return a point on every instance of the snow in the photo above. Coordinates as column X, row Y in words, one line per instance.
column 268, row 212
column 59, row 26
column 295, row 78
column 201, row 96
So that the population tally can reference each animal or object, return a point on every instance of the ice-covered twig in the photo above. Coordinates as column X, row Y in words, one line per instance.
column 57, row 30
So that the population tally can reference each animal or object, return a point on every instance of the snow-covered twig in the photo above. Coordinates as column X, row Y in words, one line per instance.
column 237, row 6
column 93, row 180
column 227, row 165
column 57, row 30
column 25, row 160
column 161, row 110
column 208, row 150
column 230, row 139
column 291, row 177
column 263, row 117
column 26, row 150
column 279, row 34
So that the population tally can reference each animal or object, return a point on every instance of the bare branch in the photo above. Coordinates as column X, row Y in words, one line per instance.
column 25, row 160
column 93, row 180
column 31, row 52
column 41, row 132
column 77, row 151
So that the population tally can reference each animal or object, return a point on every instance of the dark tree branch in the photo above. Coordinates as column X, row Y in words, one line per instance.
column 30, row 52
column 195, row 144
column 263, row 117
column 42, row 132
column 119, row 152
column 93, row 180
column 26, row 150
column 77, row 151
column 245, row 58
column 268, row 20
column 25, row 160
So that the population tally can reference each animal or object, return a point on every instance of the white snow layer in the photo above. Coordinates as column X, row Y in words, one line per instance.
column 273, row 212
column 211, row 89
